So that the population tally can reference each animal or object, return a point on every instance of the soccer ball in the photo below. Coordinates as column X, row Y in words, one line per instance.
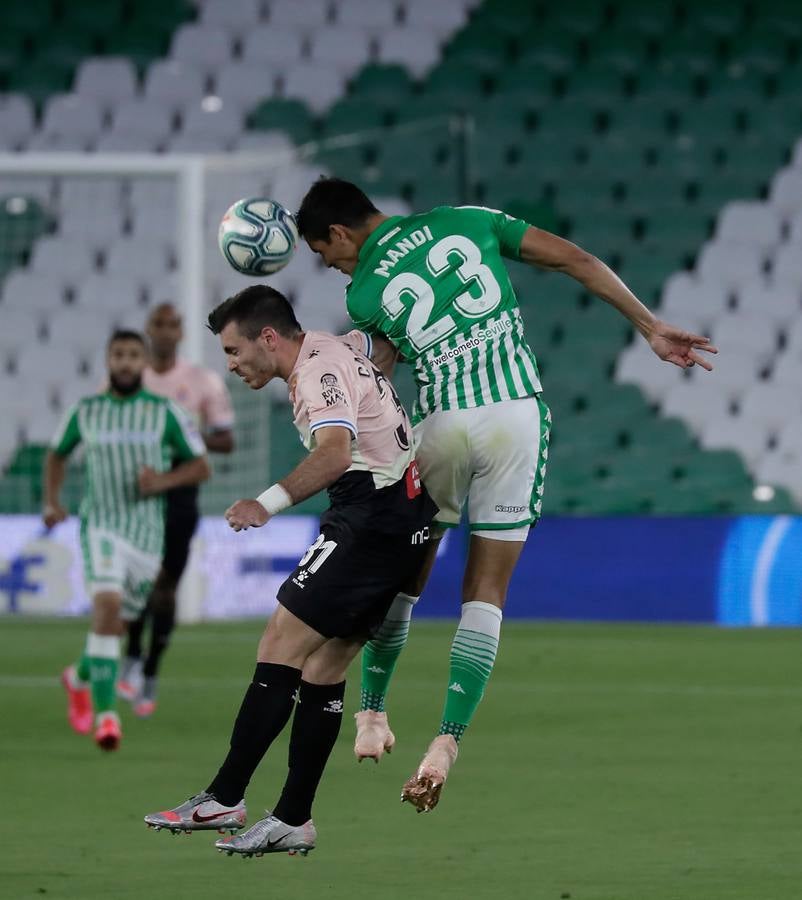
column 257, row 236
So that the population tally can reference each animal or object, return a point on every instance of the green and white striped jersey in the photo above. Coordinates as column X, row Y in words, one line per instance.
column 120, row 436
column 435, row 284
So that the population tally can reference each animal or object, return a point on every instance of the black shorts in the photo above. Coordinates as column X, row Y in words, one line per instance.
column 180, row 521
column 345, row 583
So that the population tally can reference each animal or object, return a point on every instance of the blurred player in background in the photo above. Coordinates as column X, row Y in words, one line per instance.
column 138, row 446
column 435, row 285
column 203, row 394
column 372, row 535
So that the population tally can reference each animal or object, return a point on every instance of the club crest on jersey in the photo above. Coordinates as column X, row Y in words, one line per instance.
column 331, row 391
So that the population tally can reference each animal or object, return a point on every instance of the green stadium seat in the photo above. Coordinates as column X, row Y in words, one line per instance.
column 720, row 20
column 485, row 39
column 26, row 18
column 389, row 83
column 737, row 93
column 22, row 221
column 92, row 17
column 17, row 494
column 162, row 14
column 292, row 116
column 141, row 44
column 653, row 20
column 531, row 87
column 455, row 79
column 352, row 114
column 67, row 49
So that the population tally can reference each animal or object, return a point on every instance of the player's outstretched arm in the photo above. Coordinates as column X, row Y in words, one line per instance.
column 547, row 251
column 55, row 471
column 325, row 464
column 192, row 471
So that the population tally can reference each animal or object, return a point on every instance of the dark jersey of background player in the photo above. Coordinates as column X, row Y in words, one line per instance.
column 201, row 393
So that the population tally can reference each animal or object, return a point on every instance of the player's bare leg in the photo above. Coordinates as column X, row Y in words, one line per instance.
column 373, row 735
column 490, row 566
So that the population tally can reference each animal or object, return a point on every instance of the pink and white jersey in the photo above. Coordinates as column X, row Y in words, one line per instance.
column 201, row 392
column 333, row 383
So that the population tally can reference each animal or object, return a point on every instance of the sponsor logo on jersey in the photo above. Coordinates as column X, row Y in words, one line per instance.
column 480, row 336
column 331, row 391
column 412, row 478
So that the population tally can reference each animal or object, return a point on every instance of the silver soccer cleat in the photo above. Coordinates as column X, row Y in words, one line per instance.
column 271, row 835
column 200, row 813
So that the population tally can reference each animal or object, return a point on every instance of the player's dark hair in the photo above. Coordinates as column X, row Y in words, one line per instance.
column 254, row 308
column 125, row 334
column 332, row 201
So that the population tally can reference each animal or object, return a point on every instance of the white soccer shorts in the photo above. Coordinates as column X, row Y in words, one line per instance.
column 111, row 563
column 492, row 456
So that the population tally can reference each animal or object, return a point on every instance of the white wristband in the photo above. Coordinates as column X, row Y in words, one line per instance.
column 274, row 499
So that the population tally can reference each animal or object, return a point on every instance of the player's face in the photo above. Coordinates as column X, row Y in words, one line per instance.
column 339, row 252
column 126, row 361
column 251, row 360
column 164, row 330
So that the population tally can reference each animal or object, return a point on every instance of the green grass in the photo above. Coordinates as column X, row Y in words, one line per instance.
column 606, row 763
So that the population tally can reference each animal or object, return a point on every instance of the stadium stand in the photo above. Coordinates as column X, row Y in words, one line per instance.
column 660, row 138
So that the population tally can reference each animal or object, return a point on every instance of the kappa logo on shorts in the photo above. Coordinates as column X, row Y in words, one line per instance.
column 501, row 507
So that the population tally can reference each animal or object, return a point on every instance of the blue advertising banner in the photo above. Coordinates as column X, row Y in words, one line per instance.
column 733, row 571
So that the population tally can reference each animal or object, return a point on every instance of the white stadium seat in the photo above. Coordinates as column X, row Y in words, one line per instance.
column 16, row 118
column 749, row 222
column 237, row 18
column 174, row 84
column 416, row 49
column 204, row 46
column 730, row 264
column 785, row 195
column 273, row 47
column 770, row 405
column 696, row 404
column 306, row 16
column 109, row 80
column 735, row 433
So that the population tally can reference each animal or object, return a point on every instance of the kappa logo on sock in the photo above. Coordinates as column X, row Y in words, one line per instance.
column 377, row 670
column 457, row 688
column 333, row 706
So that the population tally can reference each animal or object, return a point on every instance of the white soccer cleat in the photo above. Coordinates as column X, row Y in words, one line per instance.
column 423, row 789
column 200, row 813
column 271, row 835
column 373, row 735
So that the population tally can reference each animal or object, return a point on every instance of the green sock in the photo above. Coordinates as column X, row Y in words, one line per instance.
column 380, row 655
column 102, row 655
column 82, row 669
column 473, row 653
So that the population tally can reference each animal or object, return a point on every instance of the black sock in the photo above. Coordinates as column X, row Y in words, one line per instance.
column 264, row 712
column 135, row 630
column 315, row 727
column 161, row 628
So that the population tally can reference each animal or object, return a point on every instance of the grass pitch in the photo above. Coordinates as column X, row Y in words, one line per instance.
column 606, row 763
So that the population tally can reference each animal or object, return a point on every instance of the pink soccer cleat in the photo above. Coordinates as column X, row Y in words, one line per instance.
column 79, row 701
column 108, row 733
column 423, row 789
column 373, row 735
column 144, row 708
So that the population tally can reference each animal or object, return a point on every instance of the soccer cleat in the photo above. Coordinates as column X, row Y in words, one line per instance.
column 271, row 835
column 423, row 789
column 129, row 685
column 127, row 690
column 79, row 702
column 108, row 733
column 373, row 735
column 144, row 708
column 200, row 813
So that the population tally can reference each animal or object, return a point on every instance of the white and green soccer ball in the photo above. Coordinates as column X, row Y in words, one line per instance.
column 257, row 236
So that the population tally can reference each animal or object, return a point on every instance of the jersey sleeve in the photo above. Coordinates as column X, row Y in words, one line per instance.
column 508, row 230
column 68, row 435
column 217, row 412
column 181, row 435
column 359, row 340
column 327, row 394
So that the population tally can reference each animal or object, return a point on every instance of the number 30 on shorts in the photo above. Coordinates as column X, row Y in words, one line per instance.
column 325, row 547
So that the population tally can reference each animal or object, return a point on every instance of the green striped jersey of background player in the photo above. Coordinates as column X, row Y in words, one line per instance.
column 123, row 435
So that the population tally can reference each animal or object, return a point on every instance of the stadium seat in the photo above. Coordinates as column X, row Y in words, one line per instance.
column 317, row 85
column 108, row 80
column 342, row 47
column 205, row 47
column 770, row 406
column 417, row 50
column 237, row 18
column 174, row 84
